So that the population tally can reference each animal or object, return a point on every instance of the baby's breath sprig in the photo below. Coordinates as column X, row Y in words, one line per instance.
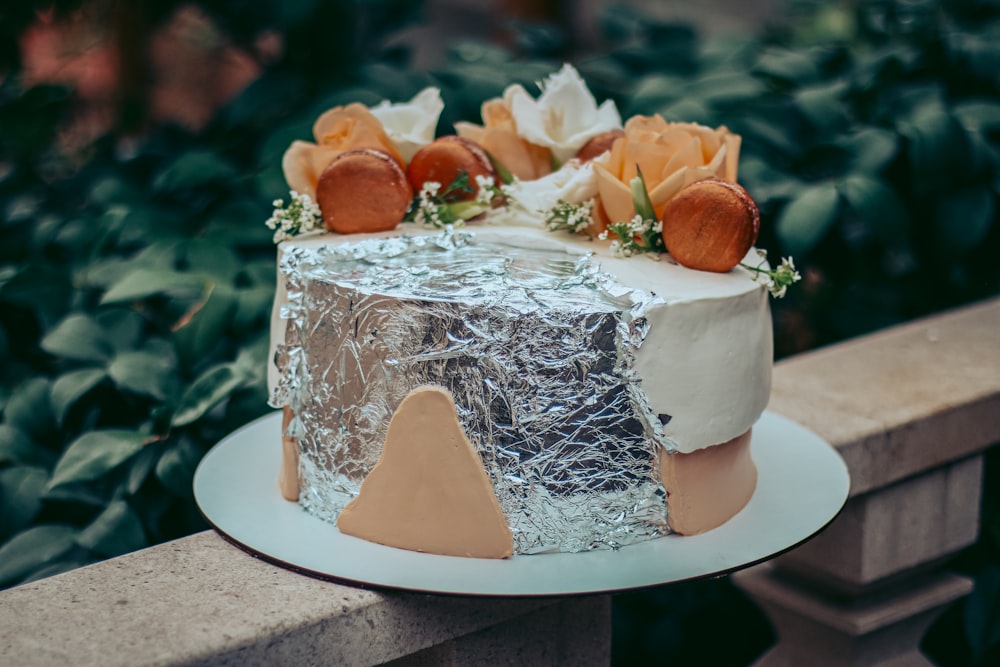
column 570, row 217
column 779, row 279
column 301, row 215
column 643, row 233
column 440, row 208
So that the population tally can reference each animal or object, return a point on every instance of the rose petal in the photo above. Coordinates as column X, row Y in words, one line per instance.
column 732, row 144
column 616, row 197
column 302, row 164
column 353, row 126
column 688, row 155
column 523, row 160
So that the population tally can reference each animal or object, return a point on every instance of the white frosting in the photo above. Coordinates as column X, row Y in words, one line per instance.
column 706, row 360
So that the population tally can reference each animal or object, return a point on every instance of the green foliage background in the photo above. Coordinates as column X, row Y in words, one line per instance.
column 136, row 280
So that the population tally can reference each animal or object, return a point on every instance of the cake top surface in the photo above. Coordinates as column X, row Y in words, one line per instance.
column 560, row 162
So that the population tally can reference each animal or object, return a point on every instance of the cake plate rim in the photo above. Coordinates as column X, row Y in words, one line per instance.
column 803, row 484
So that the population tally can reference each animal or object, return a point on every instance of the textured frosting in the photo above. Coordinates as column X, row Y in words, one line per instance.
column 705, row 363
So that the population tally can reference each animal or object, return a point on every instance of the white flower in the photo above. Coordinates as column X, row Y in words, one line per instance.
column 302, row 215
column 411, row 125
column 564, row 117
column 572, row 184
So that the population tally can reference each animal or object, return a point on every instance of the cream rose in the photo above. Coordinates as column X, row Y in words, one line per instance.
column 527, row 135
column 337, row 130
column 498, row 135
column 670, row 155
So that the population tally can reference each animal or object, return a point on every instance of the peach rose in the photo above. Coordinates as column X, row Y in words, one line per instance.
column 498, row 136
column 338, row 130
column 670, row 155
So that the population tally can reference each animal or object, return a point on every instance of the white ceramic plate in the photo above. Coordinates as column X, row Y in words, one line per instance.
column 803, row 484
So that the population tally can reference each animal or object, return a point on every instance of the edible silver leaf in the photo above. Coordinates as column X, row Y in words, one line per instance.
column 537, row 346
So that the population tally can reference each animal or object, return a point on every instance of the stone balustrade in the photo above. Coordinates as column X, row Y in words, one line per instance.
column 911, row 409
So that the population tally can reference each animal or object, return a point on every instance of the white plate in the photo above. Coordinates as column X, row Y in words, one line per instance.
column 803, row 484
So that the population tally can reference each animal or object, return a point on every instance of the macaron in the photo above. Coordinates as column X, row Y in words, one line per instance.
column 710, row 225
column 444, row 159
column 363, row 190
column 598, row 145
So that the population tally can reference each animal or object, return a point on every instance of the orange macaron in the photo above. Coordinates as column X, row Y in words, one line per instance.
column 710, row 225
column 363, row 190
column 444, row 159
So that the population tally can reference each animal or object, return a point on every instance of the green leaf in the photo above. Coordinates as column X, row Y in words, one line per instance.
column 70, row 561
column 640, row 197
column 787, row 65
column 210, row 259
column 963, row 219
column 253, row 307
column 30, row 410
column 205, row 325
column 872, row 149
column 43, row 289
column 978, row 115
column 210, row 389
column 805, row 220
column 139, row 468
column 94, row 454
column 878, row 206
column 823, row 105
column 16, row 447
column 938, row 152
column 78, row 337
column 71, row 387
column 21, row 490
column 726, row 87
column 122, row 326
column 193, row 170
column 32, row 548
column 176, row 467
column 143, row 372
column 115, row 531
column 144, row 283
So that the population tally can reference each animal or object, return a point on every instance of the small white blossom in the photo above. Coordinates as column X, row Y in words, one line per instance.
column 572, row 217
column 300, row 216
column 777, row 280
column 429, row 189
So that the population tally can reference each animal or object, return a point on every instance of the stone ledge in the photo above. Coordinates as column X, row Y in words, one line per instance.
column 904, row 400
column 200, row 600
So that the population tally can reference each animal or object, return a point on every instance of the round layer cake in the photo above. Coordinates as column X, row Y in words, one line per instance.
column 609, row 400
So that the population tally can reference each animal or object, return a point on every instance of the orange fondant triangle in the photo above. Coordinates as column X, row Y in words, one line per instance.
column 429, row 491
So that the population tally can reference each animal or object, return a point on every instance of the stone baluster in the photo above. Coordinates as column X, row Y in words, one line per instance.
column 911, row 410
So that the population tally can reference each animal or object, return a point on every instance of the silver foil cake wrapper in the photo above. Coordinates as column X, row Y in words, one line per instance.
column 537, row 347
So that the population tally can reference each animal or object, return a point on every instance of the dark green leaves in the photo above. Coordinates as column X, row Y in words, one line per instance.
column 193, row 170
column 144, row 283
column 69, row 388
column 95, row 453
column 206, row 392
column 962, row 219
column 808, row 218
column 878, row 206
column 147, row 372
column 35, row 547
column 115, row 531
column 78, row 337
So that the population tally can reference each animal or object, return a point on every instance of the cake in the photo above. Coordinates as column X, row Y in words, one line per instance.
column 494, row 376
